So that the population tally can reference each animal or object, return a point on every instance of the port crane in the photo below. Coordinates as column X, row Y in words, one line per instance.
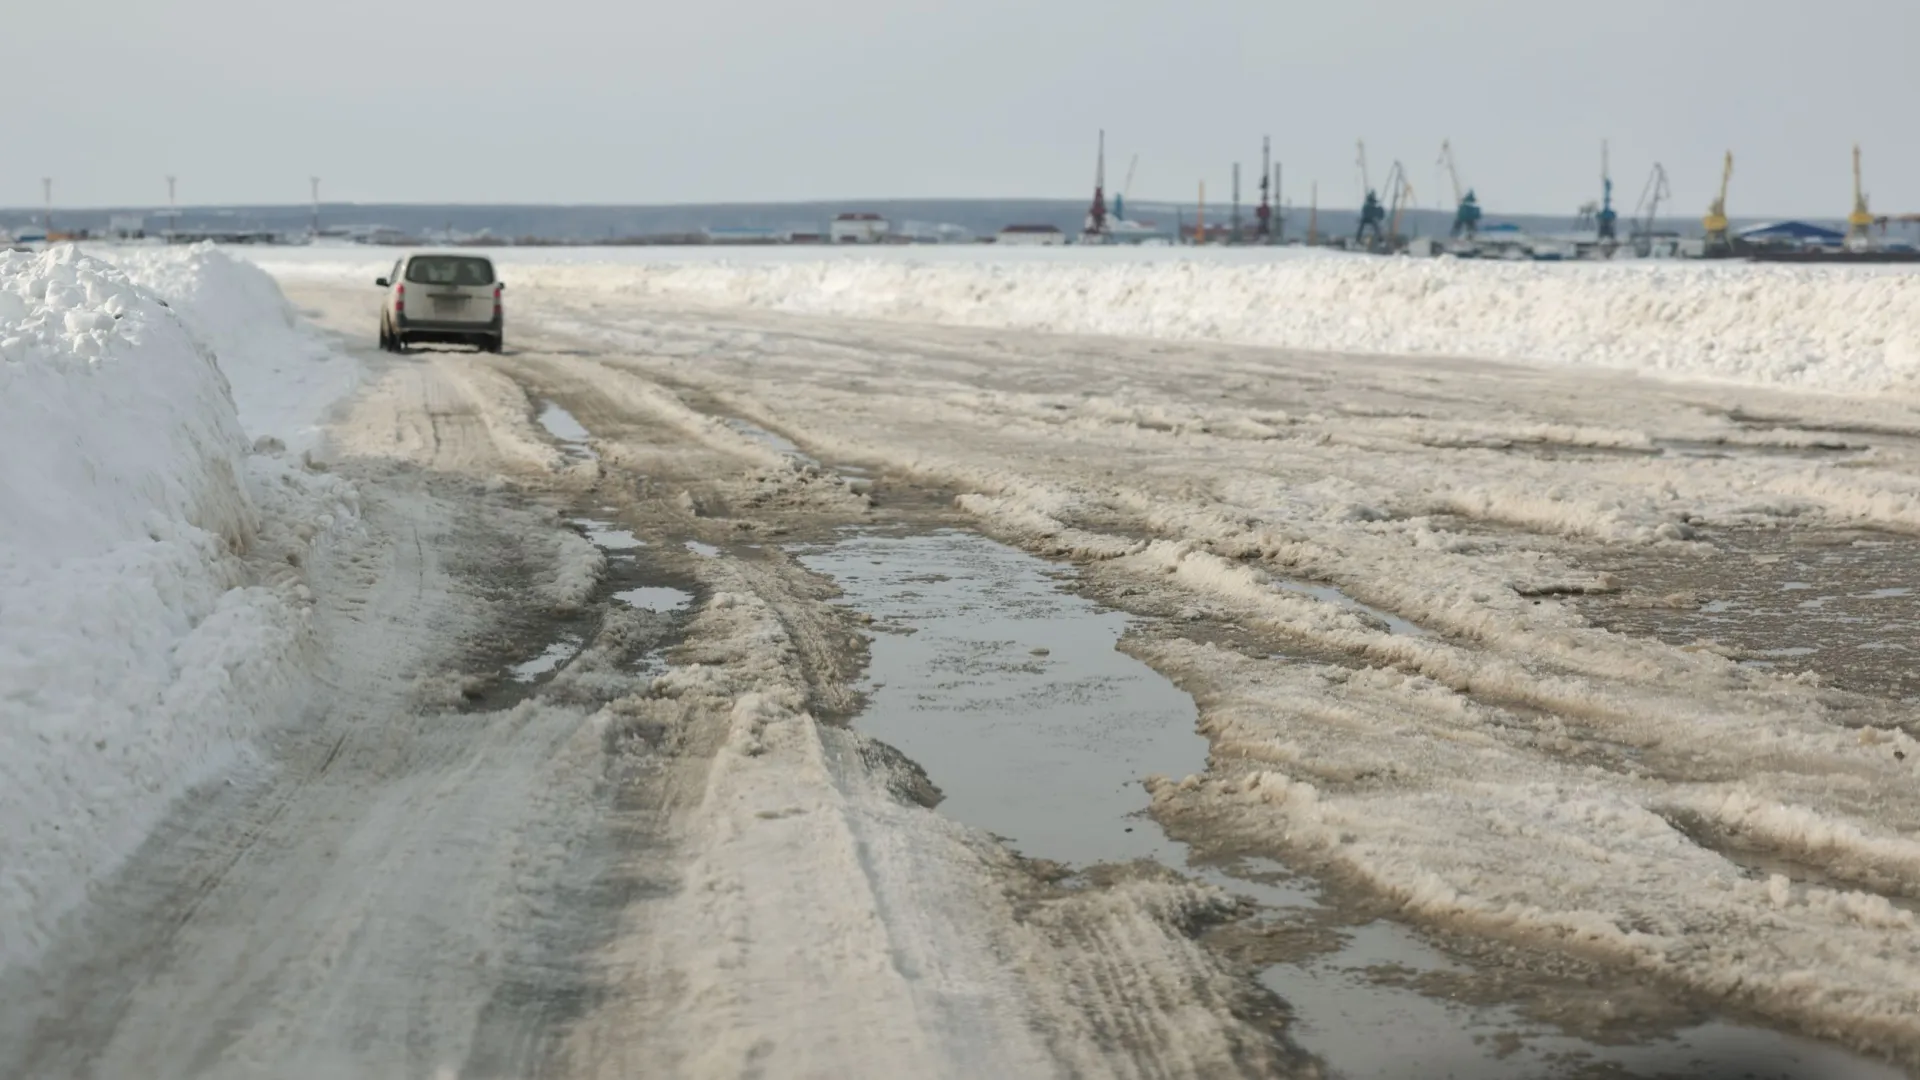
column 1096, row 229
column 1400, row 193
column 1716, row 219
column 1372, row 214
column 1604, row 221
column 1466, row 216
column 1861, row 219
column 1655, row 190
column 1120, row 197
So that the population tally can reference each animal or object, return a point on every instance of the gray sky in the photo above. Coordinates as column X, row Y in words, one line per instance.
column 762, row 100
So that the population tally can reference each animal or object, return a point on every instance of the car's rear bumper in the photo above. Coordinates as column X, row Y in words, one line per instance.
column 436, row 330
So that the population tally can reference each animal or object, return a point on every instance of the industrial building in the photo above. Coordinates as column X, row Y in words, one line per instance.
column 1032, row 236
column 859, row 228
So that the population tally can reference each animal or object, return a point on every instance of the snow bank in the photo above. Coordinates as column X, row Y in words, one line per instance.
column 282, row 375
column 135, row 658
column 1826, row 328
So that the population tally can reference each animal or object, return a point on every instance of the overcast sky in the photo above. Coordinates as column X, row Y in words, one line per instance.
column 613, row 101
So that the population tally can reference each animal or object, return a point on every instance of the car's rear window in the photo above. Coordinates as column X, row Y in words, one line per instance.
column 449, row 270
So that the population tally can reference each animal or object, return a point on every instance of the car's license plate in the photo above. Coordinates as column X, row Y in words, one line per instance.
column 449, row 305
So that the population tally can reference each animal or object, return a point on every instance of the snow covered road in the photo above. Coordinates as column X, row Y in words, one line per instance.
column 573, row 779
column 1489, row 759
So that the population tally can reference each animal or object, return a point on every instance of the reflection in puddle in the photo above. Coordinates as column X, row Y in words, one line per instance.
column 567, row 431
column 655, row 598
column 1369, row 1031
column 1011, row 694
column 604, row 536
column 770, row 439
column 1394, row 623
column 549, row 660
column 699, row 548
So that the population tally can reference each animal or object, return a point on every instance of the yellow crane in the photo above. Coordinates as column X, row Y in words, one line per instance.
column 1716, row 219
column 1861, row 219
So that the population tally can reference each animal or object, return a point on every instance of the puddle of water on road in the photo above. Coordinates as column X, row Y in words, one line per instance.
column 567, row 431
column 655, row 598
column 549, row 661
column 767, row 438
column 1366, row 1031
column 1009, row 691
column 1706, row 448
column 699, row 548
column 606, row 537
column 1327, row 593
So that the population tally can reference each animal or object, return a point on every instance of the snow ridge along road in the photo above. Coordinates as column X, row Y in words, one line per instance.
column 1823, row 328
column 154, row 609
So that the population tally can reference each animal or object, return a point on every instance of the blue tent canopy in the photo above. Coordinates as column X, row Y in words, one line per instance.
column 1798, row 231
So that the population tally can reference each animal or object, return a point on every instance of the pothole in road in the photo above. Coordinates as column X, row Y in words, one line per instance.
column 1011, row 694
column 1008, row 690
column 549, row 660
column 568, row 432
column 770, row 439
column 616, row 542
column 657, row 598
column 629, row 583
column 1392, row 623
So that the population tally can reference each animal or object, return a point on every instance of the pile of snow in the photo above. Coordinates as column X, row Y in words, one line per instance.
column 135, row 656
column 282, row 375
column 1827, row 328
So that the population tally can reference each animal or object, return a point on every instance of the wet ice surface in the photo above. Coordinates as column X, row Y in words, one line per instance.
column 655, row 598
column 567, row 431
column 549, row 660
column 1047, row 749
column 1839, row 603
column 1009, row 691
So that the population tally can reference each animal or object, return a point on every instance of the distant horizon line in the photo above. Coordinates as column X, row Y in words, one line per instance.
column 844, row 205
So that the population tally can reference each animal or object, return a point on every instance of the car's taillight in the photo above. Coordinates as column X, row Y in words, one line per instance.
column 399, row 299
column 496, row 300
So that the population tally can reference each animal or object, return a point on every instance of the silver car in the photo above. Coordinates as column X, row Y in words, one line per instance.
column 448, row 299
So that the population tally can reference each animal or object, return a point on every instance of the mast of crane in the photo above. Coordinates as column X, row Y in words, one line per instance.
column 1233, row 226
column 1650, row 196
column 1402, row 196
column 1279, row 215
column 1366, row 182
column 1861, row 219
column 1453, row 172
column 1264, row 215
column 1097, row 214
column 1716, row 219
column 1604, row 221
column 1466, row 214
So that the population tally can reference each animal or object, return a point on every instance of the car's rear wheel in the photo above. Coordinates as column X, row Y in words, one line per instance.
column 386, row 337
column 494, row 344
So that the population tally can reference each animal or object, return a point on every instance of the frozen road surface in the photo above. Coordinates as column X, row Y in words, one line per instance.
column 774, row 669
